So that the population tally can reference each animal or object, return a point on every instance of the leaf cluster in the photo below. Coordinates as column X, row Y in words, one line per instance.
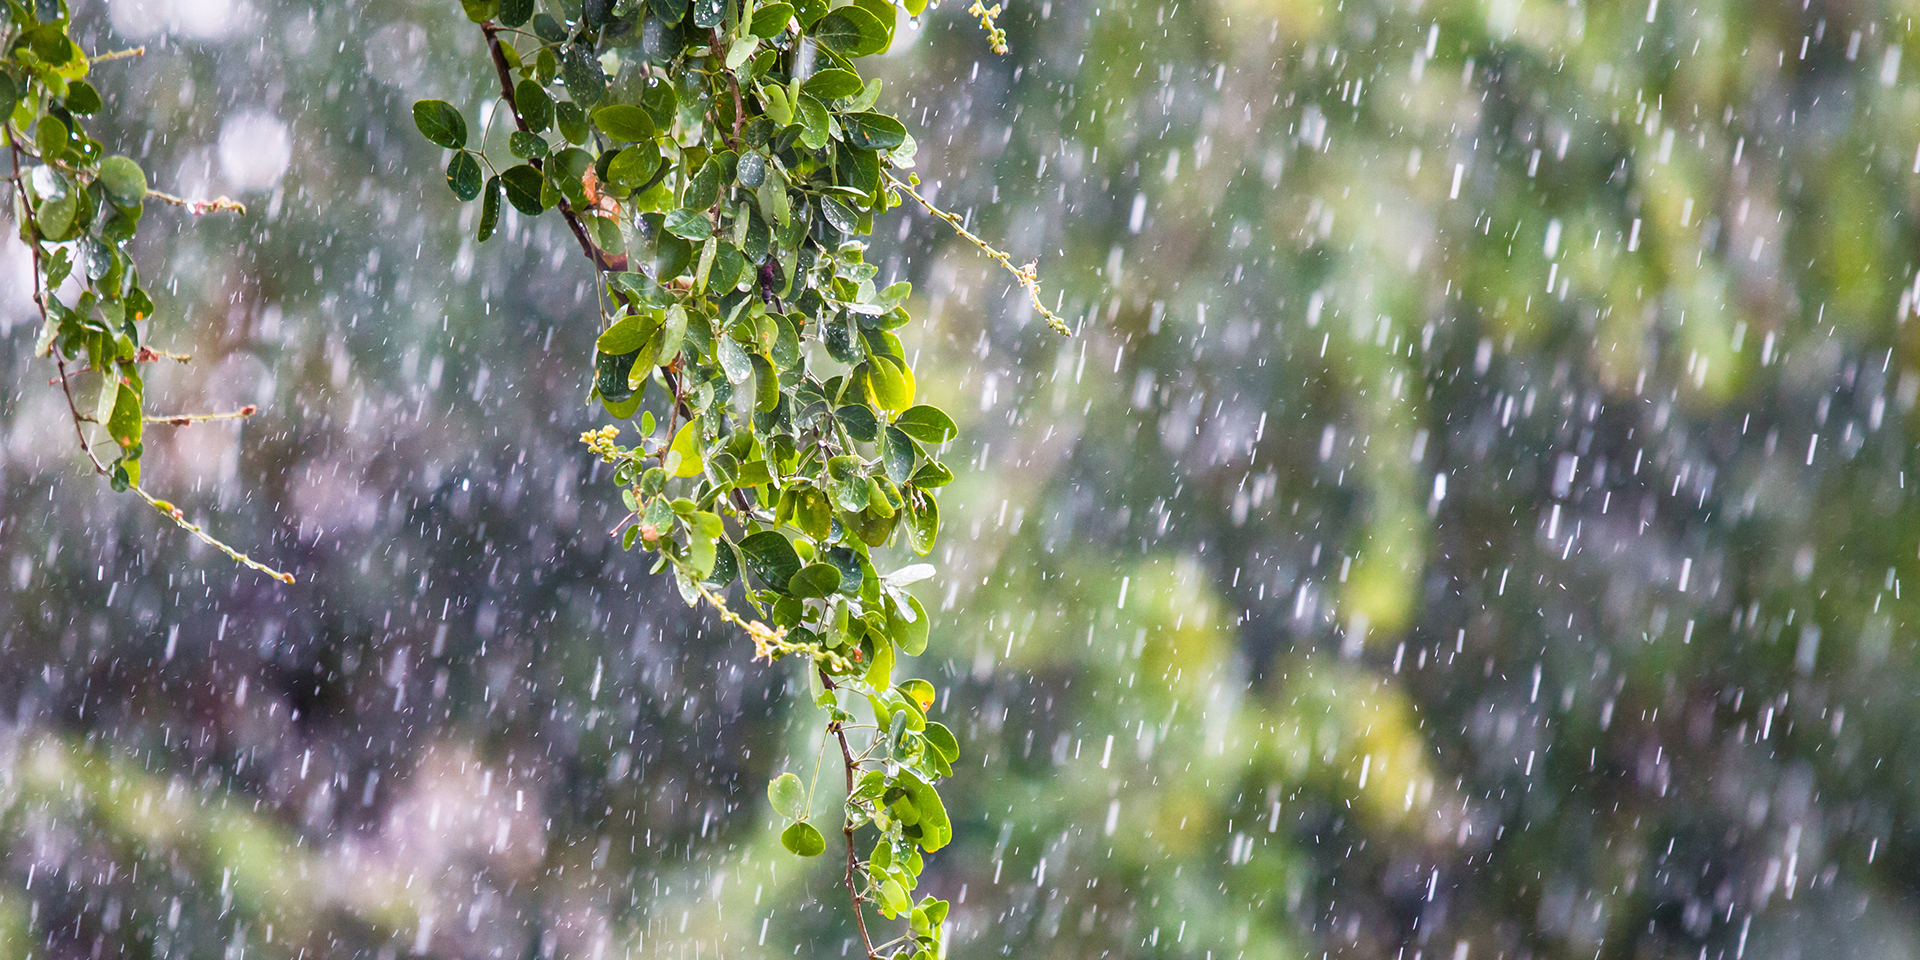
column 720, row 161
column 77, row 209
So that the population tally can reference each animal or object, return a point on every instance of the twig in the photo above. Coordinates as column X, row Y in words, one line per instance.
column 853, row 860
column 200, row 208
column 768, row 642
column 739, row 105
column 139, row 51
column 1026, row 276
column 505, row 73
column 182, row 419
column 179, row 518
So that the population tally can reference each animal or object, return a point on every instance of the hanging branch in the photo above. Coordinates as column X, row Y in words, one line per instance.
column 1027, row 276
column 79, row 193
column 722, row 204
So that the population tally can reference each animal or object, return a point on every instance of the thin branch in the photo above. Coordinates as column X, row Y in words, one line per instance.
column 1026, row 276
column 853, row 859
column 139, row 51
column 739, row 106
column 505, row 73
column 179, row 518
column 200, row 208
column 183, row 419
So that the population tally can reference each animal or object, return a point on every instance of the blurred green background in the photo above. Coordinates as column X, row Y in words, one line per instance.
column 1471, row 522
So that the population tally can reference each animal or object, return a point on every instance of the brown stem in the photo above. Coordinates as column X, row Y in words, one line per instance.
column 739, row 106
column 505, row 72
column 853, row 861
column 32, row 229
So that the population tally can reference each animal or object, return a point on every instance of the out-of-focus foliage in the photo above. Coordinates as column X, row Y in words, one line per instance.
column 76, row 209
column 1473, row 521
column 728, row 159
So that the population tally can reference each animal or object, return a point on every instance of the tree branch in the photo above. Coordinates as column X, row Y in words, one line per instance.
column 853, row 860
column 505, row 72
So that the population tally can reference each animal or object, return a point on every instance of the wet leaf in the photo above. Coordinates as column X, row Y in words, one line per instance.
column 440, row 123
column 803, row 840
column 788, row 795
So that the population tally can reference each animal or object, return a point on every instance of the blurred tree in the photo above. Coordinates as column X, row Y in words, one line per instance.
column 1473, row 521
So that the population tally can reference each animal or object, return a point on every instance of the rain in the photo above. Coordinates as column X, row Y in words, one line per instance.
column 1469, row 520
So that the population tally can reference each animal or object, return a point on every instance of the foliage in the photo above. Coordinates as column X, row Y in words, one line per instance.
column 718, row 161
column 78, row 208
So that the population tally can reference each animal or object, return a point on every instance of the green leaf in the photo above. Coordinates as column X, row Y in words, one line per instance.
column 685, row 456
column 671, row 335
column 932, row 475
column 803, row 840
column 889, row 382
column 670, row 12
column 927, row 424
column 771, row 20
column 872, row 131
column 629, row 333
column 527, row 146
column 572, row 121
column 833, row 83
column 625, row 122
column 851, row 32
column 773, row 99
column 690, row 224
column 513, row 13
column 82, row 98
column 708, row 14
column 441, row 123
column 127, row 420
column 894, row 897
column 815, row 580
column 815, row 130
column 480, row 11
column 935, row 829
column 885, row 12
column 633, row 167
column 582, row 75
column 55, row 218
column 51, row 137
column 812, row 513
column 789, row 796
column 567, row 169
column 547, row 28
column 923, row 521
column 733, row 360
column 522, row 185
column 847, row 485
column 463, row 175
column 489, row 208
column 751, row 171
column 536, row 107
column 897, row 454
column 860, row 422
column 123, row 180
column 704, row 190
column 741, row 52
column 771, row 558
column 942, row 741
column 612, row 376
column 920, row 691
column 837, row 214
